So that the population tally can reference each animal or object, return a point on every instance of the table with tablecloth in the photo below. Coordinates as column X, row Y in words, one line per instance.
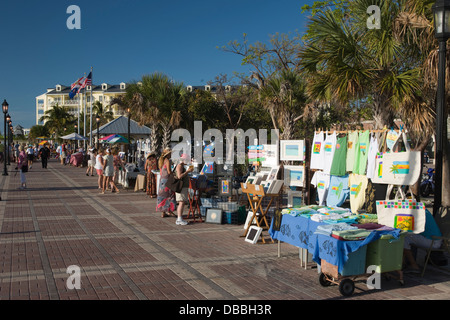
column 300, row 231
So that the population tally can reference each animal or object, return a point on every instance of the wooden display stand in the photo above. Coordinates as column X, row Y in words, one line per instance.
column 255, row 195
column 194, row 202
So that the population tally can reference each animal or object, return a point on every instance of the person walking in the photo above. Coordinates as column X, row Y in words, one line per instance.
column 63, row 154
column 182, row 197
column 91, row 161
column 22, row 165
column 30, row 156
column 166, row 197
column 151, row 164
column 99, row 167
column 44, row 154
column 108, row 172
column 118, row 165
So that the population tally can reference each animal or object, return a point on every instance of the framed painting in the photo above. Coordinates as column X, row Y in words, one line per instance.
column 294, row 176
column 292, row 150
column 225, row 187
column 273, row 174
column 275, row 187
column 214, row 215
column 295, row 199
column 253, row 234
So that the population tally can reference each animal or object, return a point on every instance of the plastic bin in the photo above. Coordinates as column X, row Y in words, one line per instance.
column 234, row 217
column 386, row 253
column 355, row 265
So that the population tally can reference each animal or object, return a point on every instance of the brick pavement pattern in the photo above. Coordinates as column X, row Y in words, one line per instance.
column 126, row 251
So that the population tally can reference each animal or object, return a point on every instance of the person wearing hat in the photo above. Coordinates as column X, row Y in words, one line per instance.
column 165, row 201
column 182, row 197
column 151, row 164
column 91, row 161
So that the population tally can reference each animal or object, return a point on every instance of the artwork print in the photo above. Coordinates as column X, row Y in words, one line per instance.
column 292, row 150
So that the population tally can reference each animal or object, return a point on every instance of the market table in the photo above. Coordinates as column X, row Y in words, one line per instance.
column 300, row 232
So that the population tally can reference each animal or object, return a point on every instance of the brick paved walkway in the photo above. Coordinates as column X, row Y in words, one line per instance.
column 125, row 250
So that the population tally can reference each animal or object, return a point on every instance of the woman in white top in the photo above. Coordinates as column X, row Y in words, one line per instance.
column 30, row 156
column 91, row 162
column 99, row 167
column 108, row 172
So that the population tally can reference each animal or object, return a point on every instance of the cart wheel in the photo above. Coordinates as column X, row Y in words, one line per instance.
column 324, row 282
column 346, row 287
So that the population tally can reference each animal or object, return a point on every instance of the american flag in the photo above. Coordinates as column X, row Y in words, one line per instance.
column 87, row 81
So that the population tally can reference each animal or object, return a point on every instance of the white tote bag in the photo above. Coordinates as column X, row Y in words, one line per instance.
column 405, row 214
column 398, row 168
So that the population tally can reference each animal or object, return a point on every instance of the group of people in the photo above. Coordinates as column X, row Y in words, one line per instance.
column 25, row 156
column 107, row 163
column 169, row 201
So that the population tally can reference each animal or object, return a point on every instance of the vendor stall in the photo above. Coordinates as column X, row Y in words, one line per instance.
column 339, row 243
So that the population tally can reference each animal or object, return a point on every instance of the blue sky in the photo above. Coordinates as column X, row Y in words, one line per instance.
column 125, row 39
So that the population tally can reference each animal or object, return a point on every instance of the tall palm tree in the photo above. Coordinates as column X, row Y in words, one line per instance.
column 104, row 114
column 344, row 60
column 284, row 96
column 56, row 119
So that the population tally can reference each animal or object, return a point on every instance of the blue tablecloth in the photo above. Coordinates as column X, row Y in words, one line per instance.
column 299, row 231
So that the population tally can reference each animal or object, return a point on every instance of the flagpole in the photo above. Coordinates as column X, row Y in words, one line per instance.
column 90, row 112
column 84, row 112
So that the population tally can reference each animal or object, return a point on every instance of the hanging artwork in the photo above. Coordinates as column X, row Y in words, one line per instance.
column 225, row 187
column 292, row 150
column 294, row 176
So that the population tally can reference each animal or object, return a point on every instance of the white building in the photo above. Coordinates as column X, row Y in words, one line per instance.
column 82, row 101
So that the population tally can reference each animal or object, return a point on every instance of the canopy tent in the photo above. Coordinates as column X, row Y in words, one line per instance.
column 120, row 126
column 115, row 138
column 43, row 142
column 74, row 136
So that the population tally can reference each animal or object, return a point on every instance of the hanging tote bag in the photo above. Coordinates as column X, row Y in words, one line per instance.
column 404, row 214
column 398, row 168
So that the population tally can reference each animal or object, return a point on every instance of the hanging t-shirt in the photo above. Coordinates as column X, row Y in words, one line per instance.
column 373, row 149
column 329, row 147
column 317, row 153
column 362, row 150
column 352, row 140
column 358, row 185
column 338, row 168
column 321, row 181
column 338, row 191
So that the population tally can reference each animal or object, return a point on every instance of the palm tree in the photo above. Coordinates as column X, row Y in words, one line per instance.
column 105, row 115
column 345, row 61
column 284, row 96
column 415, row 25
column 156, row 101
column 56, row 119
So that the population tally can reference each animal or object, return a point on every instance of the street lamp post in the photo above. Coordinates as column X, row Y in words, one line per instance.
column 97, row 119
column 5, row 111
column 441, row 10
column 129, row 141
column 8, row 121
